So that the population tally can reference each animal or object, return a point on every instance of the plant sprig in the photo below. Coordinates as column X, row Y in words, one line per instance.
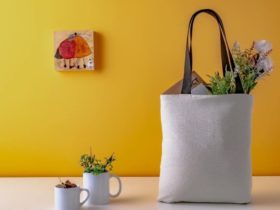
column 222, row 85
column 95, row 166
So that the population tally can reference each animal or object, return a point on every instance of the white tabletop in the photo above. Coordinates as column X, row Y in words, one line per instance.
column 139, row 193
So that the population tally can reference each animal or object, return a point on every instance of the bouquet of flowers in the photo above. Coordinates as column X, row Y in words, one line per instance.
column 250, row 65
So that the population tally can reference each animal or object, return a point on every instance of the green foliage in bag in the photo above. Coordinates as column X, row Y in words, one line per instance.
column 251, row 65
column 222, row 85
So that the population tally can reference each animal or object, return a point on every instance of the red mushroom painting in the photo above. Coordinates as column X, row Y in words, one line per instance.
column 74, row 50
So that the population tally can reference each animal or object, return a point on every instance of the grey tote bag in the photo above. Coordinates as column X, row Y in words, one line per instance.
column 206, row 138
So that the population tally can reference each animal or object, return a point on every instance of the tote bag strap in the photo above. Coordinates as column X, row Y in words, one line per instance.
column 227, row 60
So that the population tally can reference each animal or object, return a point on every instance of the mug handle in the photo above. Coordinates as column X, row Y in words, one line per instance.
column 88, row 193
column 120, row 185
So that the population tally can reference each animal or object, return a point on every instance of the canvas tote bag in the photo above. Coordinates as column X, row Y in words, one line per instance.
column 206, row 138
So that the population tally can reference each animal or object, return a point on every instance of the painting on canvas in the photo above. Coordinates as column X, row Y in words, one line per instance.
column 74, row 50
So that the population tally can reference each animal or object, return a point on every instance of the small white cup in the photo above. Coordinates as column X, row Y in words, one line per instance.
column 69, row 198
column 99, row 188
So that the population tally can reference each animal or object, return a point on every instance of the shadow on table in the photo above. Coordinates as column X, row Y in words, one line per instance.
column 128, row 200
column 118, row 203
column 203, row 206
column 260, row 199
column 266, row 199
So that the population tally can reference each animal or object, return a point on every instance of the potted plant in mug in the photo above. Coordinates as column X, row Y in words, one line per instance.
column 67, row 196
column 96, row 178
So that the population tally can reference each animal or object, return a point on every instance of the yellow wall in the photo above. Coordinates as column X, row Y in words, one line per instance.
column 49, row 118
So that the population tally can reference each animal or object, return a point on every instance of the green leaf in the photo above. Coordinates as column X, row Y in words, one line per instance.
column 223, row 85
column 95, row 166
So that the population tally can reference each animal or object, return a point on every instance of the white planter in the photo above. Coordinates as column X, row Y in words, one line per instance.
column 99, row 188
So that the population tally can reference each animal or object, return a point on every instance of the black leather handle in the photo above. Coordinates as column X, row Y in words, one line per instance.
column 227, row 60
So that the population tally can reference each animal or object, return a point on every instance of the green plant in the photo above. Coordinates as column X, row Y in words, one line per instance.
column 245, row 62
column 95, row 166
column 250, row 65
column 222, row 85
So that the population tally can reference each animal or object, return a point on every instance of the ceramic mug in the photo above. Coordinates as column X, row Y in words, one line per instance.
column 99, row 188
column 69, row 198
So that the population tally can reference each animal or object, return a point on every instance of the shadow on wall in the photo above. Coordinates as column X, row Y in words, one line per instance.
column 98, row 51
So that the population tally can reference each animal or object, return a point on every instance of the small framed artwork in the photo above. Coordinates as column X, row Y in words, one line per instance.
column 74, row 50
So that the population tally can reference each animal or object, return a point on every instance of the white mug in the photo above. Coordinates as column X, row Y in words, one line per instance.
column 98, row 186
column 69, row 198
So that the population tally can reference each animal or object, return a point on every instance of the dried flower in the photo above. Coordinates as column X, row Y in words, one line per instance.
column 236, row 46
column 263, row 47
column 264, row 66
column 252, row 63
column 66, row 184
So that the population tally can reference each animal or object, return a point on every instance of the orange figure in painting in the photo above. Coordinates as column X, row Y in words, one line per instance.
column 75, row 48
